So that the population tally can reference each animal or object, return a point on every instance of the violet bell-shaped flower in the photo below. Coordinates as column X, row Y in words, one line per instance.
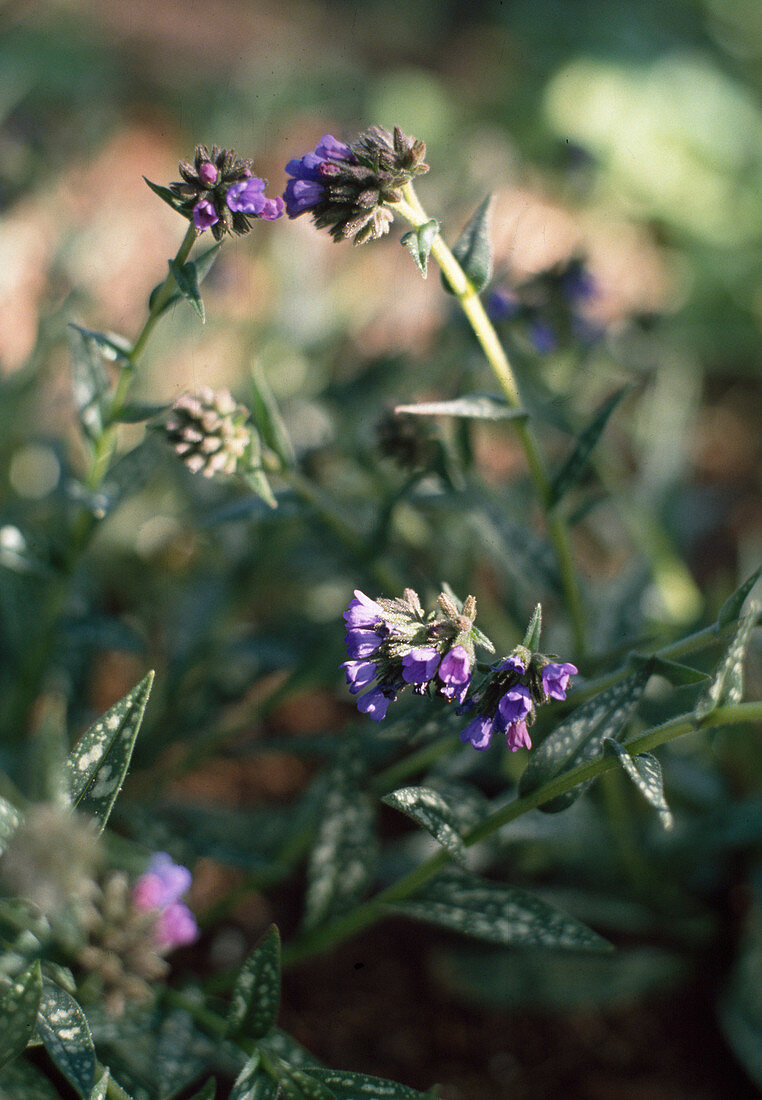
column 159, row 890
column 555, row 679
column 455, row 674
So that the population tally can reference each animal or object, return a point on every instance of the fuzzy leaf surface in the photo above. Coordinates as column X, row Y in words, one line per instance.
column 430, row 809
column 726, row 685
column 18, row 1012
column 580, row 737
column 419, row 241
column 186, row 278
column 268, row 419
column 576, row 464
column 164, row 193
column 499, row 914
column 64, row 1030
column 733, row 605
column 645, row 772
column 100, row 1088
column 256, row 994
column 98, row 763
column 473, row 248
column 10, row 819
column 475, row 406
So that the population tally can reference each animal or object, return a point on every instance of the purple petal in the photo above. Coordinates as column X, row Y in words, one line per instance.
column 455, row 667
column 204, row 215
column 302, row 195
column 306, row 167
column 361, row 643
column 330, row 148
column 419, row 665
column 247, row 196
column 176, row 926
column 555, row 679
column 478, row 732
column 359, row 674
column 514, row 706
column 517, row 736
column 207, row 173
column 515, row 664
column 273, row 209
column 374, row 703
column 363, row 611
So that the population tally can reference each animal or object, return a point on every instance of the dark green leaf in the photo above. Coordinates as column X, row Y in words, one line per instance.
column 267, row 417
column 206, row 1092
column 679, row 675
column 498, row 914
column 18, row 1012
column 419, row 242
column 100, row 1088
column 580, row 736
column 740, row 1009
column 473, row 249
column 171, row 300
column 475, row 406
column 256, row 479
column 245, row 1084
column 10, row 819
column 727, row 682
column 21, row 1081
column 99, row 761
column 187, row 283
column 205, row 262
column 534, row 629
column 164, row 194
column 731, row 609
column 645, row 772
column 135, row 412
column 342, row 862
column 65, row 1032
column 307, row 1087
column 283, row 1046
column 357, row 1086
column 429, row 809
column 111, row 345
column 90, row 382
column 176, row 1062
column 576, row 464
column 256, row 995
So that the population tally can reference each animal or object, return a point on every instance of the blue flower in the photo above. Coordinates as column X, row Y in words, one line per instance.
column 375, row 703
column 555, row 679
column 359, row 674
column 363, row 612
column 306, row 190
column 455, row 674
column 478, row 731
column 362, row 643
column 248, row 197
column 419, row 665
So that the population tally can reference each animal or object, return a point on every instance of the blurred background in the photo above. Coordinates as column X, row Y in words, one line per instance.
column 628, row 134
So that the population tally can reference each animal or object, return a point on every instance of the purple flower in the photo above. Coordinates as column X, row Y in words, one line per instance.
column 306, row 191
column 361, row 643
column 555, row 679
column 578, row 283
column 543, row 336
column 359, row 674
column 478, row 732
column 158, row 890
column 204, row 215
column 207, row 173
column 514, row 706
column 329, row 148
column 248, row 197
column 517, row 736
column 503, row 304
column 515, row 664
column 175, row 927
column 302, row 195
column 363, row 612
column 374, row 703
column 455, row 673
column 419, row 665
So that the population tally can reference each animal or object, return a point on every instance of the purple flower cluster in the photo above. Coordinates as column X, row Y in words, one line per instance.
column 159, row 890
column 508, row 703
column 307, row 188
column 245, row 197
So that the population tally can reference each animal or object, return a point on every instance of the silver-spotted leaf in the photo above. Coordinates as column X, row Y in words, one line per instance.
column 64, row 1030
column 285, row 1047
column 430, row 809
column 499, row 914
column 18, row 1012
column 359, row 1086
column 475, row 406
column 305, row 1087
column 726, row 685
column 733, row 605
column 473, row 249
column 645, row 772
column 98, row 763
column 10, row 819
column 256, row 994
column 576, row 464
column 177, row 1060
column 246, row 1081
column 100, row 1088
column 580, row 736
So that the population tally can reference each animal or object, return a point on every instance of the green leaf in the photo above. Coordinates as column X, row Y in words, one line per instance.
column 21, row 1081
column 474, row 406
column 18, row 1012
column 256, row 995
column 135, row 412
column 10, row 819
column 576, row 464
column 428, row 808
column 726, row 685
column 65, row 1032
column 256, row 479
column 731, row 609
column 645, row 772
column 111, row 345
column 165, row 194
column 176, row 1062
column 419, row 242
column 245, row 1084
column 100, row 1088
column 307, row 1087
column 498, row 914
column 48, row 750
column 342, row 861
column 99, row 761
column 171, row 300
column 679, row 675
column 187, row 283
column 534, row 629
column 580, row 736
column 283, row 1046
column 473, row 250
column 359, row 1086
column 207, row 1091
column 205, row 262
column 90, row 383
column 267, row 417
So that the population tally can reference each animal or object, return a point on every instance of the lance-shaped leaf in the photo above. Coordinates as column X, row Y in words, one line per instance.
column 111, row 345
column 256, row 994
column 10, row 819
column 18, row 1012
column 679, row 675
column 499, row 914
column 64, row 1030
column 342, row 861
column 99, row 761
column 576, row 464
column 726, row 685
column 186, row 278
column 299, row 1085
column 164, row 193
column 100, row 1088
column 580, row 736
column 177, row 1061
column 473, row 249
column 534, row 629
column 90, row 382
column 21, row 1081
column 359, row 1086
column 248, row 1080
column 419, row 242
column 645, row 772
column 474, row 406
column 283, row 1046
column 136, row 412
column 429, row 809
column 267, row 417
column 731, row 609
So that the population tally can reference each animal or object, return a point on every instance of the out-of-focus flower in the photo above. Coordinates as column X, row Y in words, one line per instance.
column 159, row 891
column 348, row 189
column 209, row 432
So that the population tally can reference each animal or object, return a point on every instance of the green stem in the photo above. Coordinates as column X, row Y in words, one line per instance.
column 333, row 932
column 410, row 209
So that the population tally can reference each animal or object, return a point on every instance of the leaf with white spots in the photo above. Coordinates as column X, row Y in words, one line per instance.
column 100, row 1088
column 18, row 1012
column 177, row 1059
column 499, row 914
column 64, row 1030
column 727, row 683
column 10, row 819
column 731, row 609
column 429, row 809
column 245, row 1083
column 299, row 1085
column 21, row 1081
column 645, row 772
column 285, row 1047
column 342, row 861
column 256, row 994
column 98, row 763
column 355, row 1086
column 579, row 737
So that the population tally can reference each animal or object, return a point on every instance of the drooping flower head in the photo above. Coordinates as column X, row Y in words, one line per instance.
column 394, row 643
column 348, row 188
column 219, row 191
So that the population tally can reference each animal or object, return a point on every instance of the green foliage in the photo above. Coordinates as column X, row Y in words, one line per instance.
column 256, row 994
column 473, row 248
column 18, row 1012
column 470, row 407
column 726, row 686
column 354, row 1086
column 430, row 809
column 645, row 772
column 66, row 1035
column 419, row 242
column 576, row 464
column 186, row 277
